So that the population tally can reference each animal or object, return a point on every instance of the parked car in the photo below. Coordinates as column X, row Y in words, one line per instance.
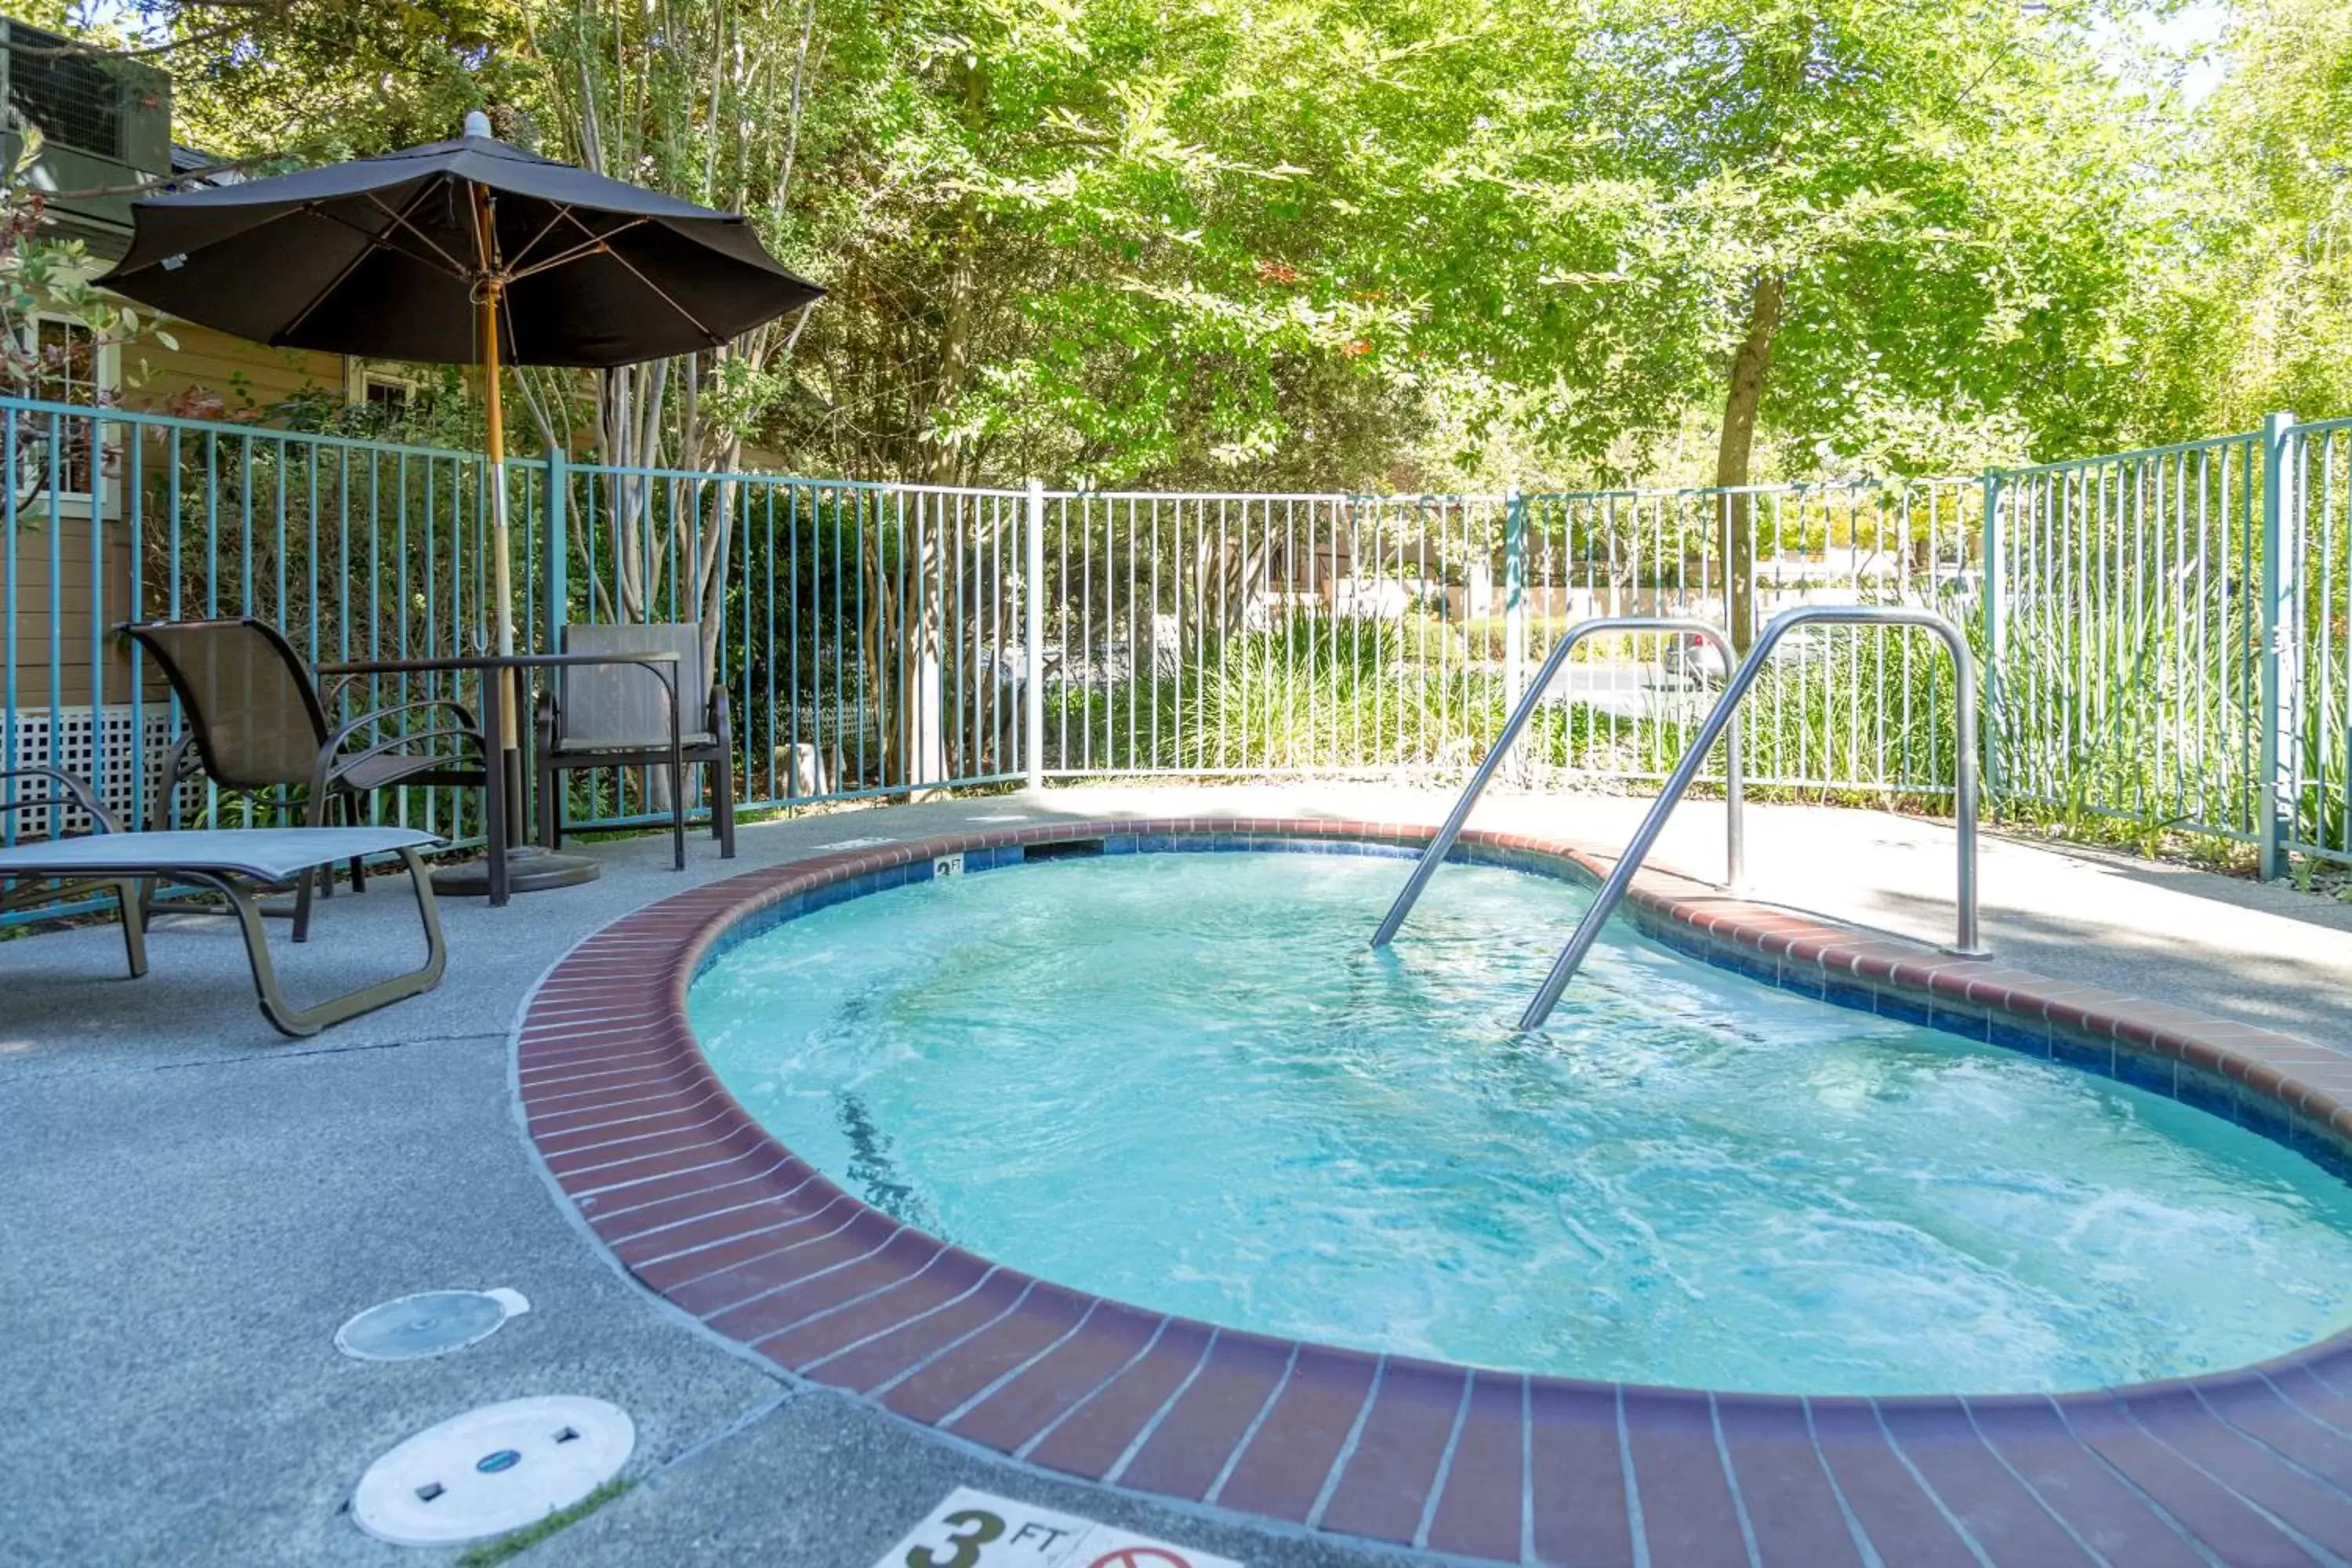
column 1690, row 659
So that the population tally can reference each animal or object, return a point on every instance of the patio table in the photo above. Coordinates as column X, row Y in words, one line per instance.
column 508, row 865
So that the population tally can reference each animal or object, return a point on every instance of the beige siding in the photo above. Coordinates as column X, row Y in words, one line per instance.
column 28, row 585
column 246, row 376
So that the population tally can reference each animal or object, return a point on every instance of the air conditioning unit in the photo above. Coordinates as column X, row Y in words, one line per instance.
column 105, row 119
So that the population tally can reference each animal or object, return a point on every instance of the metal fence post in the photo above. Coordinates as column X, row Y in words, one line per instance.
column 1990, row 586
column 1515, row 597
column 1033, row 640
column 2281, row 647
column 559, row 544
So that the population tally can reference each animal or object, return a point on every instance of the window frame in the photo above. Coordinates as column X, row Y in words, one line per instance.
column 360, row 374
column 106, row 379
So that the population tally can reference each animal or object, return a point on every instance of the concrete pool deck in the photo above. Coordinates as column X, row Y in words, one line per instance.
column 189, row 1204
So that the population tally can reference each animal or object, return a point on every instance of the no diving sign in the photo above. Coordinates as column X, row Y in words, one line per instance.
column 976, row 1529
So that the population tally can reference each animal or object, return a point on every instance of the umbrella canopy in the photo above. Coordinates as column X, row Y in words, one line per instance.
column 385, row 258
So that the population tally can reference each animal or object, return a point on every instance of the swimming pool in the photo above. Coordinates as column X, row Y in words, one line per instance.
column 1184, row 1081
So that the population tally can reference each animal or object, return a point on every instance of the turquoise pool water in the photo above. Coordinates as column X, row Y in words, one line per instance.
column 1183, row 1080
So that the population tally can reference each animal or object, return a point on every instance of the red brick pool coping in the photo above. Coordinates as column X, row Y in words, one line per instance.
column 709, row 1211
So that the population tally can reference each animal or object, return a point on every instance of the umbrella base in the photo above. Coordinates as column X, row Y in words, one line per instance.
column 530, row 870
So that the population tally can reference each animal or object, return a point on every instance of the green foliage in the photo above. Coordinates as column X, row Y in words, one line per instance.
column 2265, row 321
column 305, row 81
column 515, row 1543
column 1392, row 242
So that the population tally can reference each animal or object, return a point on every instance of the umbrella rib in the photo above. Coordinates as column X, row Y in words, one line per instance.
column 686, row 315
column 587, row 247
column 597, row 240
column 375, row 242
column 400, row 220
column 567, row 212
column 562, row 210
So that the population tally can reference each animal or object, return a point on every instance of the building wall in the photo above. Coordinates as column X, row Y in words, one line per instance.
column 45, row 558
column 244, row 376
column 45, row 554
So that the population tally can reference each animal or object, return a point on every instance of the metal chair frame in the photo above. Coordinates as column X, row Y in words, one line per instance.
column 328, row 785
column 128, row 891
column 550, row 760
column 226, row 861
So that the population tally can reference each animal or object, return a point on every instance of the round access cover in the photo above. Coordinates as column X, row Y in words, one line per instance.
column 433, row 1322
column 492, row 1470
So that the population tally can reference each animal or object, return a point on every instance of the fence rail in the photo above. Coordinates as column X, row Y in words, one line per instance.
column 2165, row 636
column 2122, row 635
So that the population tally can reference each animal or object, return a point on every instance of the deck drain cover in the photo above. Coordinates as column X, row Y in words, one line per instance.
column 492, row 1470
column 433, row 1322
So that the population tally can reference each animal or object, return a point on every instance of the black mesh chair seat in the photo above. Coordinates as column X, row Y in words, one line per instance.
column 672, row 716
column 399, row 767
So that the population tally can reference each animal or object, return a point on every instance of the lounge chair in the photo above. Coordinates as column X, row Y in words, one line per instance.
column 632, row 715
column 236, row 863
column 256, row 721
column 18, row 893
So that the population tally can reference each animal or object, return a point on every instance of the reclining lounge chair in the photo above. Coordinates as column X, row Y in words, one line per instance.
column 236, row 863
column 54, row 793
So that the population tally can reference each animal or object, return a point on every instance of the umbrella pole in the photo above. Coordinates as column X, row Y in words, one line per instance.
column 502, row 559
column 521, row 867
column 501, row 539
column 502, row 563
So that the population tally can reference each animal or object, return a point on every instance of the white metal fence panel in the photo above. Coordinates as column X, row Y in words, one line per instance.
column 2125, row 667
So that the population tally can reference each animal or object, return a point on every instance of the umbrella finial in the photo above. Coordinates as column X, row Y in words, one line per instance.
column 477, row 124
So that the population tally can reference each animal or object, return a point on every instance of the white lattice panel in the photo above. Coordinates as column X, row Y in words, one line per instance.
column 102, row 755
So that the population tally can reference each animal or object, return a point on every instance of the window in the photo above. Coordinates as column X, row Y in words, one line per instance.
column 386, row 393
column 73, row 95
column 70, row 367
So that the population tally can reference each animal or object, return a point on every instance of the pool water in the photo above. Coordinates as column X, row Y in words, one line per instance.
column 1185, row 1082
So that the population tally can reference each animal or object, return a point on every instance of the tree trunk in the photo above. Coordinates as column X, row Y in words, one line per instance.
column 1734, row 457
column 923, row 664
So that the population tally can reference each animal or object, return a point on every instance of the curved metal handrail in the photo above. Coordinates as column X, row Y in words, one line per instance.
column 1964, row 793
column 1436, row 853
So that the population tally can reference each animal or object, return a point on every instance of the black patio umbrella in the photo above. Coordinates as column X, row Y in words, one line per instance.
column 395, row 257
column 464, row 252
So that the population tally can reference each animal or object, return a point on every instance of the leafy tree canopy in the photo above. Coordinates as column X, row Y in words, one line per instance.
column 1395, row 242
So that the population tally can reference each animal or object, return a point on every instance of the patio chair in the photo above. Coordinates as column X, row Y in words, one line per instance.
column 621, row 714
column 30, row 891
column 236, row 862
column 256, row 721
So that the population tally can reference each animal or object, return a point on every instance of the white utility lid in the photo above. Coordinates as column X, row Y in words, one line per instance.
column 493, row 1471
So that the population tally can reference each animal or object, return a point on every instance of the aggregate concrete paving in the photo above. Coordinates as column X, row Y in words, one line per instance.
column 190, row 1205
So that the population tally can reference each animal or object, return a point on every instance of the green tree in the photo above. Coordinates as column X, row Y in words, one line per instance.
column 1894, row 231
column 2267, row 321
column 1125, row 243
column 314, row 80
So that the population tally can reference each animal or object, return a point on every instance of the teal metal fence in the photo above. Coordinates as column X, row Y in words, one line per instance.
column 2310, row 642
column 354, row 549
column 1225, row 634
column 2167, row 634
column 2121, row 633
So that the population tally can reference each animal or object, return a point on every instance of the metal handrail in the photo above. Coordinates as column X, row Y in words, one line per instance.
column 1439, row 846
column 1620, row 877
